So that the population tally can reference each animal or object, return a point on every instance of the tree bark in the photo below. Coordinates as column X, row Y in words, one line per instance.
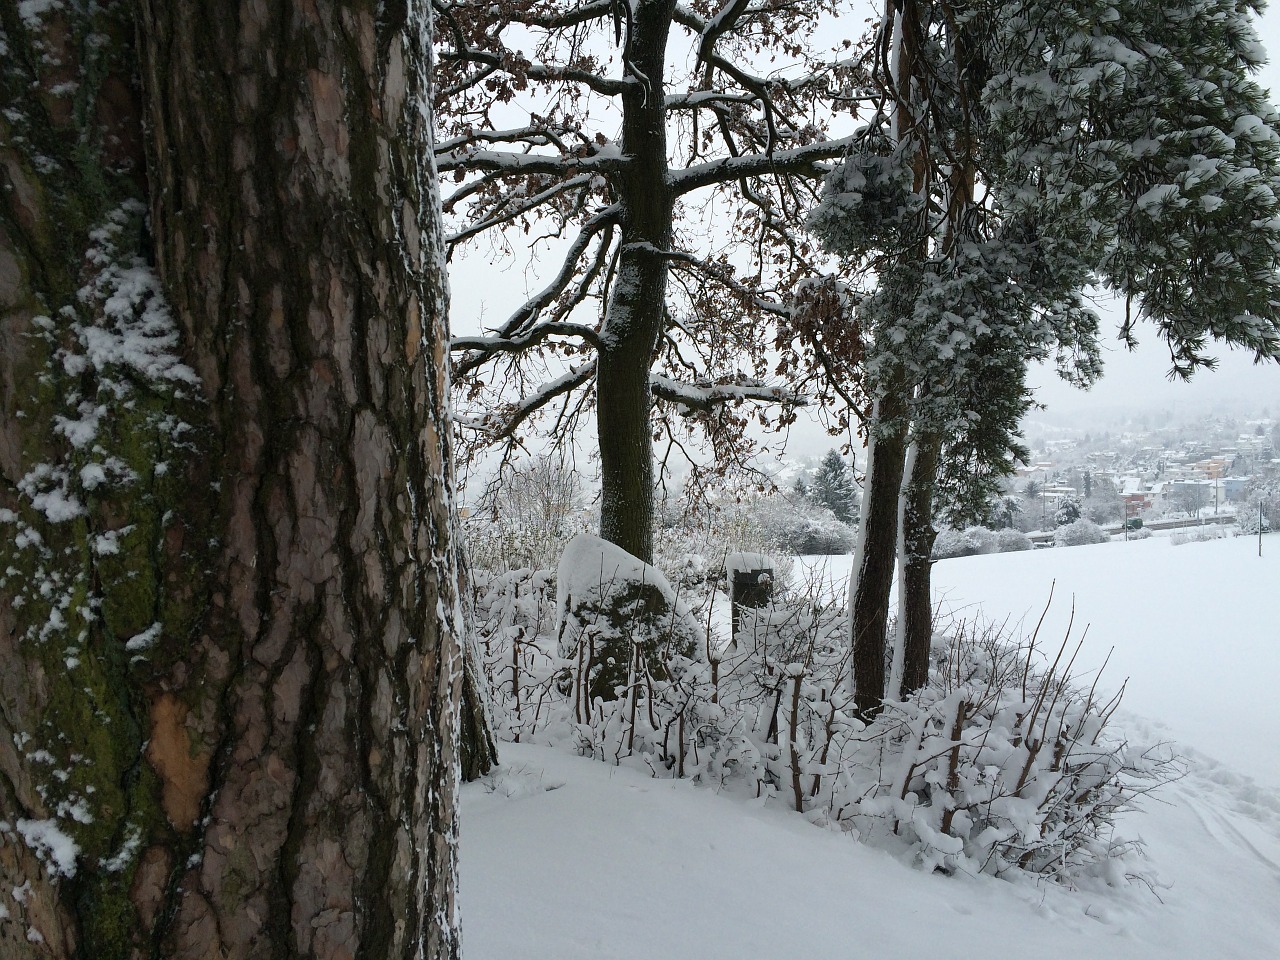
column 915, row 606
column 637, row 306
column 249, row 667
column 477, row 748
column 872, row 581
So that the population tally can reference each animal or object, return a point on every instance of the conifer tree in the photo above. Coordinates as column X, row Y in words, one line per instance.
column 1016, row 153
column 833, row 487
column 230, row 668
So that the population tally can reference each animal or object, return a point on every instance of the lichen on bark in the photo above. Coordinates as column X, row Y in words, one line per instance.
column 90, row 406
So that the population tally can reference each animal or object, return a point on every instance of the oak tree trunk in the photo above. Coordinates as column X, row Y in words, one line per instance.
column 229, row 665
column 637, row 308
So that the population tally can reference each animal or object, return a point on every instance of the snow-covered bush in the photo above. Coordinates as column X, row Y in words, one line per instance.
column 802, row 527
column 691, row 544
column 1068, row 512
column 525, row 515
column 1078, row 533
column 1011, row 541
column 964, row 543
column 620, row 623
column 1000, row 764
column 1201, row 534
column 514, row 618
column 1249, row 522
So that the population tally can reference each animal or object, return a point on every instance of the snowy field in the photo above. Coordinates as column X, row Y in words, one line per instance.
column 563, row 858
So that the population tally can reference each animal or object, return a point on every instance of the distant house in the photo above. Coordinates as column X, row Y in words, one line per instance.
column 1212, row 468
column 1233, row 488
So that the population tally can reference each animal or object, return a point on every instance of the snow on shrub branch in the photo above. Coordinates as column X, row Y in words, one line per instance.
column 1003, row 764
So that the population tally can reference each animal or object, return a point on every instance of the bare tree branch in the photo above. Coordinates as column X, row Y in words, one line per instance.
column 519, row 412
column 542, row 72
column 491, row 345
column 520, row 323
column 516, row 207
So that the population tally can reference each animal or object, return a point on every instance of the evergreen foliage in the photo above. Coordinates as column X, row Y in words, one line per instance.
column 1078, row 533
column 1012, row 155
column 1068, row 511
column 1063, row 144
column 833, row 487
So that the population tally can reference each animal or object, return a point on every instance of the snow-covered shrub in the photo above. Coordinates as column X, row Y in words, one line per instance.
column 802, row 527
column 949, row 543
column 501, row 541
column 620, row 623
column 1078, row 533
column 1000, row 764
column 1068, row 512
column 525, row 515
column 514, row 617
column 1012, row 541
column 690, row 545
column 964, row 543
column 1248, row 523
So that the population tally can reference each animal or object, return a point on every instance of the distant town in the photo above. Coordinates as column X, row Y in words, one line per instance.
column 1211, row 467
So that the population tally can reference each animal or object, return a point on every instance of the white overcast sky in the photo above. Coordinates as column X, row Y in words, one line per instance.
column 484, row 293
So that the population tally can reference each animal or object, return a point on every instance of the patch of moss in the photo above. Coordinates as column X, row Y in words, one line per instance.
column 108, row 918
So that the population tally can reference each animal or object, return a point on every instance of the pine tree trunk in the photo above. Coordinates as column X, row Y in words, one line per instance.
column 918, row 536
column 637, row 308
column 239, row 698
column 878, row 547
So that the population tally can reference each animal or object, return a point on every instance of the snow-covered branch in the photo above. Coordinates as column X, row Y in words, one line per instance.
column 520, row 330
column 717, row 273
column 707, row 99
column 586, row 13
column 513, row 207
column 702, row 398
column 491, row 345
column 804, row 161
column 525, row 163
column 533, row 136
column 539, row 72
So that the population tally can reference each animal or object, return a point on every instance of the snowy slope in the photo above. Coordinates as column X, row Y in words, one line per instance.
column 1195, row 627
column 567, row 858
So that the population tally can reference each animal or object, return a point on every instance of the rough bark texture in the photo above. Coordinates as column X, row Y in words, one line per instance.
column 240, row 699
column 918, row 535
column 869, row 606
column 637, row 309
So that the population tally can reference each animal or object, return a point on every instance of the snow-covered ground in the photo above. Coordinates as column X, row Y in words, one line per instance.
column 566, row 858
